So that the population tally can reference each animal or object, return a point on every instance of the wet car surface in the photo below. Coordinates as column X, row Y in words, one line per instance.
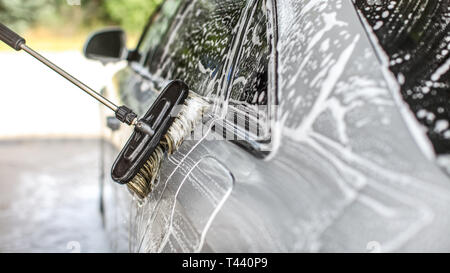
column 337, row 161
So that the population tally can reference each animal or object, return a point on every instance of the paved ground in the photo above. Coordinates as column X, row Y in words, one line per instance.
column 49, row 189
column 49, row 197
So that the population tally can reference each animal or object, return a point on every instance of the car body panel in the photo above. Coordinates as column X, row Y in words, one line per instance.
column 350, row 169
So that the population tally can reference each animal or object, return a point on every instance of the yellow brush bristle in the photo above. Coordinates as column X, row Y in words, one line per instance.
column 182, row 126
column 142, row 182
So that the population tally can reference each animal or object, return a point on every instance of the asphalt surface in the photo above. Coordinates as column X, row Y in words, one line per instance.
column 49, row 196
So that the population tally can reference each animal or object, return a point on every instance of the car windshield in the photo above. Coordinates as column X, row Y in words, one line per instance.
column 415, row 36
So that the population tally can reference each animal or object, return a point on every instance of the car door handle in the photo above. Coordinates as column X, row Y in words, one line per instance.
column 113, row 123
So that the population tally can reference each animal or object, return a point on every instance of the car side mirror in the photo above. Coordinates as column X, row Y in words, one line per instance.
column 106, row 45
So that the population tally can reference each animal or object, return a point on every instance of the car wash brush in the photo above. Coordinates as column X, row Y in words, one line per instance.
column 161, row 130
column 139, row 161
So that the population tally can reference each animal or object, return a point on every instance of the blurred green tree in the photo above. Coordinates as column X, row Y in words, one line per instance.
column 19, row 14
column 130, row 14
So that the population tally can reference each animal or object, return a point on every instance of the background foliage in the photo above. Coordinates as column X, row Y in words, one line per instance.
column 60, row 15
column 135, row 11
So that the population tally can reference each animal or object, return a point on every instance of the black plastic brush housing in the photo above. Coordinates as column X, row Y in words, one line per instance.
column 141, row 145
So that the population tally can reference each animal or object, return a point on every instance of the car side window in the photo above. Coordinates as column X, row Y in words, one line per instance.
column 223, row 47
column 159, row 24
column 196, row 46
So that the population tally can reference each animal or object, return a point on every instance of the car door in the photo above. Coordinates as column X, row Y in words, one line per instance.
column 223, row 51
column 343, row 168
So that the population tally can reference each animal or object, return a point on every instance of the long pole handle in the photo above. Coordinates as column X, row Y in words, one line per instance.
column 70, row 78
column 123, row 113
column 15, row 41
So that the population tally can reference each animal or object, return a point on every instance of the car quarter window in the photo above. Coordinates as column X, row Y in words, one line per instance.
column 250, row 78
column 249, row 98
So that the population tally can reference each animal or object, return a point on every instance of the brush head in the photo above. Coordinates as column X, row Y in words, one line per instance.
column 143, row 143
column 182, row 126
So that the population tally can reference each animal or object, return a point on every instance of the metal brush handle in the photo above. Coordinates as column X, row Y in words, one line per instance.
column 9, row 37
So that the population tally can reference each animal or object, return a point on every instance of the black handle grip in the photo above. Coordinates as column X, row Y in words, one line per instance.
column 11, row 38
